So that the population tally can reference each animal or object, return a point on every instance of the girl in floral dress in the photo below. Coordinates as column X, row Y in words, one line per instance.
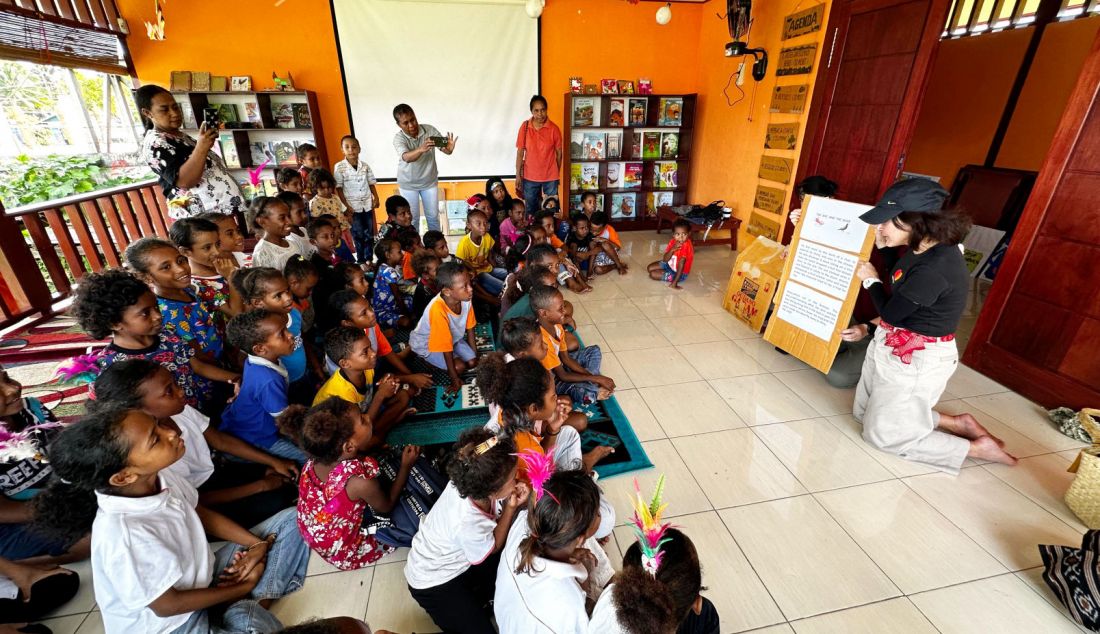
column 338, row 489
column 211, row 268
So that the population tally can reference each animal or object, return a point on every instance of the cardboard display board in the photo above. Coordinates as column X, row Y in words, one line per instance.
column 753, row 281
column 978, row 245
column 818, row 288
column 761, row 225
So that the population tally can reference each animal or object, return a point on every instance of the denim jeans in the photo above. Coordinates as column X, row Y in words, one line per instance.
column 429, row 198
column 285, row 571
column 590, row 358
column 533, row 192
column 285, row 448
column 493, row 282
column 363, row 235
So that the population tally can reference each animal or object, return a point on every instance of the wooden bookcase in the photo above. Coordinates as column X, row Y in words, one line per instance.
column 645, row 214
column 263, row 131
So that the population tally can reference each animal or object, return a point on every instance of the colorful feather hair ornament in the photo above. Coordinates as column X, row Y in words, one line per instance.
column 21, row 445
column 648, row 527
column 79, row 369
column 539, row 469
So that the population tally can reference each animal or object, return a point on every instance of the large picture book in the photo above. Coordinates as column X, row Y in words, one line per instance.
column 671, row 111
column 637, row 114
column 283, row 113
column 664, row 174
column 670, row 144
column 301, row 115
column 584, row 111
column 576, row 144
column 188, row 114
column 616, row 118
column 590, row 176
column 651, row 145
column 229, row 150
column 636, row 146
column 285, row 154
column 614, row 145
column 632, row 176
column 575, row 176
column 615, row 173
column 252, row 112
column 227, row 112
column 656, row 200
column 624, row 206
column 594, row 146
column 261, row 152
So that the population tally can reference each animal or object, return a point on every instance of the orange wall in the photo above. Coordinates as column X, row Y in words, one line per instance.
column 970, row 82
column 245, row 37
column 732, row 137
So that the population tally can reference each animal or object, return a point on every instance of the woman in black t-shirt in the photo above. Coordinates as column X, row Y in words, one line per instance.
column 913, row 353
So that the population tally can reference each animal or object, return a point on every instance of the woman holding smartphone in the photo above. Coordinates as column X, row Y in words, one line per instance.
column 194, row 179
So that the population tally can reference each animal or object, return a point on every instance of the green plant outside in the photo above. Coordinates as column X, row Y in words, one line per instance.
column 28, row 180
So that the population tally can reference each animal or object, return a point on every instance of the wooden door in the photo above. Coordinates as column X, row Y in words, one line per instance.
column 1039, row 331
column 867, row 97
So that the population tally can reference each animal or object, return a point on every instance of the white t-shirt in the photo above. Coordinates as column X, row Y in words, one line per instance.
column 605, row 619
column 270, row 254
column 141, row 547
column 550, row 600
column 455, row 535
column 195, row 466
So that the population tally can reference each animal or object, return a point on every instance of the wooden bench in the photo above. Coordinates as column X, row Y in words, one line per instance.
column 665, row 214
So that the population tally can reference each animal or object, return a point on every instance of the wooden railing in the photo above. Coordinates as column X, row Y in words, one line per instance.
column 46, row 247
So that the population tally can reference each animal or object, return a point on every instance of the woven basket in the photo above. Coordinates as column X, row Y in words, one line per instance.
column 1083, row 496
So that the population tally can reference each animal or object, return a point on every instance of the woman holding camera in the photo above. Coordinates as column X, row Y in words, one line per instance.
column 194, row 179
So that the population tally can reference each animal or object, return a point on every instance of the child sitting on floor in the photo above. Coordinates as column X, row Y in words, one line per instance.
column 340, row 490
column 425, row 263
column 475, row 250
column 675, row 265
column 398, row 214
column 353, row 381
column 272, row 216
column 246, row 493
column 115, row 304
column 299, row 217
column 447, row 328
column 409, row 240
column 452, row 567
column 607, row 240
column 160, row 265
column 543, row 580
column 267, row 289
column 154, row 570
column 263, row 335
column 579, row 377
column 580, row 247
column 566, row 269
column 352, row 309
column 513, row 226
column 668, row 601
column 436, row 242
column 211, row 268
column 324, row 237
column 390, row 303
column 230, row 239
column 521, row 338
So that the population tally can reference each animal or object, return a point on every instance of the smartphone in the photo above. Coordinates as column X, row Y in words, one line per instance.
column 440, row 141
column 210, row 117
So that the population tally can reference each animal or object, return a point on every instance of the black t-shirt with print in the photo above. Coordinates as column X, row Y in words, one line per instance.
column 937, row 283
column 581, row 245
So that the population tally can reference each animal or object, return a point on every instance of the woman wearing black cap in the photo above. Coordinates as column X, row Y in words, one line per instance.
column 913, row 353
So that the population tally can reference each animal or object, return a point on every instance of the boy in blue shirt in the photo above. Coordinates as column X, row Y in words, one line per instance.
column 263, row 335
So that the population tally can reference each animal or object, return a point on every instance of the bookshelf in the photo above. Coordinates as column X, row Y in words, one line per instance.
column 628, row 147
column 258, row 111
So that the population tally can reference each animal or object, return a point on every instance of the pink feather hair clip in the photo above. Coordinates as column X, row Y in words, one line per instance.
column 79, row 369
column 540, row 467
column 648, row 527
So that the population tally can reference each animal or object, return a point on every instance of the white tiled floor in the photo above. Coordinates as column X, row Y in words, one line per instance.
column 801, row 527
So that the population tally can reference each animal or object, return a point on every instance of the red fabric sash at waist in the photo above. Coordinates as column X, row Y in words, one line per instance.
column 905, row 342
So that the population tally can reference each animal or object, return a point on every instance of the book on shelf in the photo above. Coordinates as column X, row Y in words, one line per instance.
column 575, row 202
column 614, row 144
column 252, row 112
column 651, row 145
column 188, row 113
column 664, row 174
column 636, row 146
column 632, row 176
column 594, row 146
column 670, row 144
column 616, row 118
column 609, row 86
column 271, row 188
column 615, row 173
column 671, row 109
column 575, row 176
column 584, row 111
column 576, row 144
column 261, row 152
column 656, row 200
column 301, row 115
column 623, row 206
column 283, row 114
column 637, row 111
column 227, row 112
column 590, row 176
column 229, row 150
column 285, row 154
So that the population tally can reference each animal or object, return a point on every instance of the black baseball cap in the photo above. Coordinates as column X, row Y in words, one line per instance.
column 911, row 194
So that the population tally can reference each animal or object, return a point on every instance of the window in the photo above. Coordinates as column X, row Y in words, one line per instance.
column 974, row 17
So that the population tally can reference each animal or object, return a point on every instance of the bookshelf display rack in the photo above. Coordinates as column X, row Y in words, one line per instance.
column 266, row 130
column 646, row 167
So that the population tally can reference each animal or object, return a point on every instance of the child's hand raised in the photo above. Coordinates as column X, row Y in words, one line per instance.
column 518, row 496
column 388, row 386
column 409, row 455
column 225, row 265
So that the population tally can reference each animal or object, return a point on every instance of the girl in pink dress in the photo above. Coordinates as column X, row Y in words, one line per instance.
column 337, row 485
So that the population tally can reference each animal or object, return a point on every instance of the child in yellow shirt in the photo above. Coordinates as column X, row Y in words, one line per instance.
column 475, row 250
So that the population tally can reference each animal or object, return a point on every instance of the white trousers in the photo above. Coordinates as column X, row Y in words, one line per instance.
column 894, row 402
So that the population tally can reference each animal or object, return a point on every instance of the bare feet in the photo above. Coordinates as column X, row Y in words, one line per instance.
column 603, row 394
column 966, row 426
column 986, row 448
column 591, row 458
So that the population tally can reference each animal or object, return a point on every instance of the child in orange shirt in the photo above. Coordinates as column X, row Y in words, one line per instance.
column 446, row 330
column 579, row 377
column 607, row 239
